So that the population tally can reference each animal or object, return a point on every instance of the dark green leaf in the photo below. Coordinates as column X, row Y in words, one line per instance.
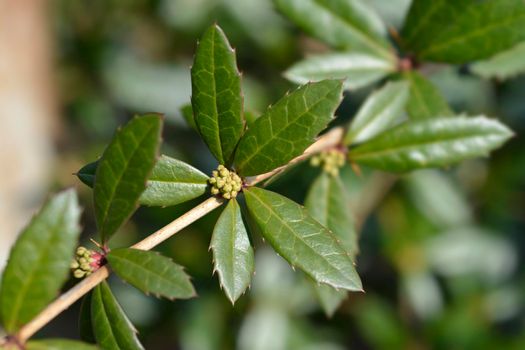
column 455, row 31
column 431, row 143
column 59, row 344
column 357, row 69
column 123, row 170
column 232, row 252
column 382, row 109
column 86, row 174
column 328, row 203
column 301, row 240
column 344, row 24
column 151, row 273
column 187, row 113
column 171, row 182
column 425, row 99
column 111, row 327
column 216, row 94
column 504, row 65
column 288, row 128
column 85, row 325
column 39, row 261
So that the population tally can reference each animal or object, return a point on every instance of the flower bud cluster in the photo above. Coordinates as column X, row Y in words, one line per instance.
column 86, row 262
column 225, row 182
column 330, row 161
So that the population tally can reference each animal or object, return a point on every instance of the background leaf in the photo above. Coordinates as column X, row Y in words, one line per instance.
column 171, row 182
column 461, row 31
column 85, row 326
column 123, row 170
column 59, row 344
column 288, row 128
column 502, row 66
column 344, row 24
column 425, row 101
column 431, row 143
column 328, row 203
column 39, row 261
column 301, row 240
column 216, row 94
column 379, row 111
column 151, row 273
column 187, row 114
column 111, row 327
column 232, row 252
column 357, row 69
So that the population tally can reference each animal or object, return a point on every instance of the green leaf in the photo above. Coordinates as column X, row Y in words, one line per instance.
column 216, row 94
column 329, row 298
column 288, row 128
column 39, row 261
column 59, row 344
column 378, row 113
column 85, row 325
column 431, row 143
column 171, row 182
column 123, row 170
column 502, row 66
column 111, row 327
column 301, row 240
column 344, row 24
column 232, row 252
column 358, row 69
column 328, row 203
column 425, row 99
column 455, row 31
column 187, row 113
column 151, row 273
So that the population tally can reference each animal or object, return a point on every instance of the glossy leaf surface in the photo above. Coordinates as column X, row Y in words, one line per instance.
column 455, row 31
column 151, row 272
column 504, row 65
column 357, row 69
column 301, row 240
column 123, row 170
column 216, row 94
column 379, row 112
column 425, row 101
column 232, row 252
column 431, row 143
column 111, row 326
column 39, row 261
column 286, row 129
column 344, row 24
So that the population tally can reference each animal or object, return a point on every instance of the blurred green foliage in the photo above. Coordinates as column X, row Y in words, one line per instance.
column 441, row 259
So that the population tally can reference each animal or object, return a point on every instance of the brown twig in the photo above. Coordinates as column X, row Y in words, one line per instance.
column 329, row 140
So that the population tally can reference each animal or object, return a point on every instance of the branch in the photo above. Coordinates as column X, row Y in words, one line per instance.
column 326, row 141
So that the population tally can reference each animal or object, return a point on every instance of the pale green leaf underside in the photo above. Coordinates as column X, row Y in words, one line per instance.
column 216, row 94
column 328, row 203
column 431, row 143
column 112, row 329
column 357, row 69
column 232, row 253
column 504, row 65
column 123, row 170
column 171, row 182
column 344, row 24
column 39, row 261
column 301, row 240
column 59, row 344
column 285, row 130
column 425, row 101
column 455, row 31
column 379, row 112
column 151, row 272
